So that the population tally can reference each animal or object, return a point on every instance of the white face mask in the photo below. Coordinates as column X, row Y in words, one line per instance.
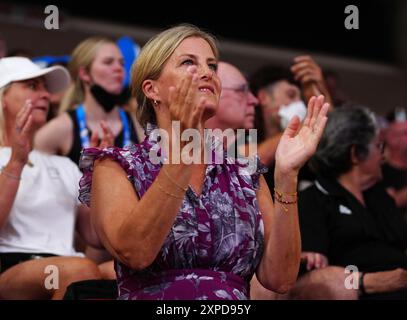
column 286, row 113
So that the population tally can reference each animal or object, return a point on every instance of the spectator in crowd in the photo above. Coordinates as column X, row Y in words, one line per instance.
column 92, row 103
column 281, row 93
column 55, row 99
column 279, row 89
column 237, row 102
column 236, row 109
column 39, row 209
column 207, row 241
column 348, row 219
column 91, row 107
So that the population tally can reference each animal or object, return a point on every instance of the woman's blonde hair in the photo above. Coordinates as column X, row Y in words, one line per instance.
column 152, row 59
column 2, row 119
column 83, row 56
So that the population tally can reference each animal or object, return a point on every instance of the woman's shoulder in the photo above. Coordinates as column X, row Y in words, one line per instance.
column 125, row 156
column 61, row 123
column 48, row 138
column 133, row 158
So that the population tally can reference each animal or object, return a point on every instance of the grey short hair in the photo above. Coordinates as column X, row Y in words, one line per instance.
column 347, row 126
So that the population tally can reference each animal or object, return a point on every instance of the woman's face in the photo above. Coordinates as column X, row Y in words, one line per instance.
column 370, row 168
column 107, row 68
column 19, row 92
column 196, row 52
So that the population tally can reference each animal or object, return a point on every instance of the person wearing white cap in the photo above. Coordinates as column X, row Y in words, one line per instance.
column 38, row 199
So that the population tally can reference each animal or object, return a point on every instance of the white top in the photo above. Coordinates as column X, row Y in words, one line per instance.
column 43, row 215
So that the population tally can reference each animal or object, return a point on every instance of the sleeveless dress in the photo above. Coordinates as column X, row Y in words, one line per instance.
column 216, row 241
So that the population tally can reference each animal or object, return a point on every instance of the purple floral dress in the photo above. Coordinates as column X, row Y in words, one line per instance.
column 216, row 242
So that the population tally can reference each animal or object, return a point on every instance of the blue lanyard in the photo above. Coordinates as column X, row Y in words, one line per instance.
column 126, row 128
column 84, row 132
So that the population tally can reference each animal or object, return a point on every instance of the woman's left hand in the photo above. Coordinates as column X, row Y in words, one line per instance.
column 299, row 142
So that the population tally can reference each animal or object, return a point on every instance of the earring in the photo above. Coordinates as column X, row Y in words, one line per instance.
column 155, row 103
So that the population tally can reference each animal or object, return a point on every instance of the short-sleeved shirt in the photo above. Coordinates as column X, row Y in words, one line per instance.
column 216, row 241
column 333, row 222
column 43, row 215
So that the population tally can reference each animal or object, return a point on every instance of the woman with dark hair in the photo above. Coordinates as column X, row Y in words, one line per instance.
column 347, row 219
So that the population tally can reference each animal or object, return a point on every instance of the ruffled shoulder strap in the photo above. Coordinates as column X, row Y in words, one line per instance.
column 251, row 168
column 139, row 171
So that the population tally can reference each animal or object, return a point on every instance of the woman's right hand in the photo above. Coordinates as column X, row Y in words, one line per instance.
column 22, row 135
column 182, row 102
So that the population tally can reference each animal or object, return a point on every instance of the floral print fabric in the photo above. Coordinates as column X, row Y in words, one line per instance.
column 216, row 241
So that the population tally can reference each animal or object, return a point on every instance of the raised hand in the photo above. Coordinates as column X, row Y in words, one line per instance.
column 22, row 136
column 310, row 75
column 182, row 102
column 107, row 139
column 305, row 69
column 299, row 142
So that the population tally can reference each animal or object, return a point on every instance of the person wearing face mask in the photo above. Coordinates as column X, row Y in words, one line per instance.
column 90, row 110
column 92, row 104
column 281, row 93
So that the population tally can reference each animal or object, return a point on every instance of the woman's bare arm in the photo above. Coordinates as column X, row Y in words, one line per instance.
column 134, row 230
column 56, row 136
column 279, row 266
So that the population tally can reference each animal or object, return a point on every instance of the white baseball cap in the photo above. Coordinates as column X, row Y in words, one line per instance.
column 13, row 69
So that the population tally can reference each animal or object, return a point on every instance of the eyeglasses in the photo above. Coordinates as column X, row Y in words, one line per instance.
column 243, row 89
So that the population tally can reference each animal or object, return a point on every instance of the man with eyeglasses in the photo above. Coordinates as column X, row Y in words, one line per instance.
column 235, row 110
column 237, row 102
